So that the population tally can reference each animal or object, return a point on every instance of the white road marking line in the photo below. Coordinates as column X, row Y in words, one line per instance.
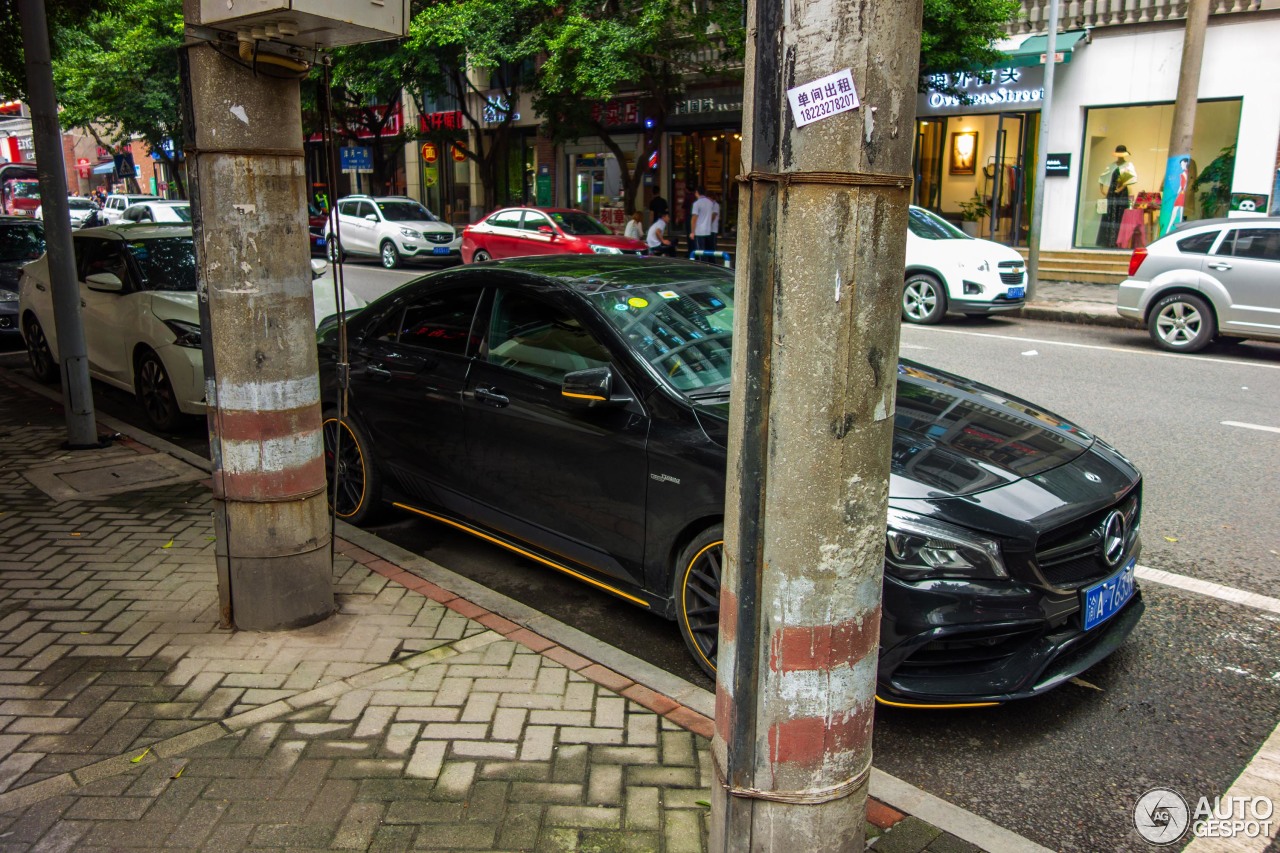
column 1249, row 426
column 1210, row 589
column 1153, row 353
column 1260, row 778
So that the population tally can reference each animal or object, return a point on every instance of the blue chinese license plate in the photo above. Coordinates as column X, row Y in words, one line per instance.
column 440, row 250
column 1103, row 600
column 1017, row 292
column 319, row 241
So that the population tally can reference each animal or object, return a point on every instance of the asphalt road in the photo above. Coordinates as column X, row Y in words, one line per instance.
column 1184, row 704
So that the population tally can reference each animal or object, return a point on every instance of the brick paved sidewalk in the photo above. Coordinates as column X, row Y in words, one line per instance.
column 411, row 719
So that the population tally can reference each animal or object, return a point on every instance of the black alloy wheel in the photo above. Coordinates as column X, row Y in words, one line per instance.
column 155, row 393
column 357, row 498
column 698, row 576
column 480, row 256
column 43, row 367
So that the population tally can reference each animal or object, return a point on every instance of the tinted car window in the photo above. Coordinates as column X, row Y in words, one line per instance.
column 165, row 263
column 1262, row 244
column 21, row 241
column 440, row 322
column 80, row 204
column 580, row 224
column 1199, row 244
column 533, row 219
column 504, row 219
column 347, row 208
column 929, row 227
column 101, row 256
column 405, row 211
column 365, row 209
column 536, row 338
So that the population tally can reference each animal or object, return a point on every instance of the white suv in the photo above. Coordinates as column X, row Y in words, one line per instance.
column 392, row 228
column 115, row 205
column 947, row 270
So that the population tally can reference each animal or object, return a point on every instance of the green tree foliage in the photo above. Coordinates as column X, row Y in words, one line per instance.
column 117, row 75
column 650, row 50
column 957, row 35
column 61, row 14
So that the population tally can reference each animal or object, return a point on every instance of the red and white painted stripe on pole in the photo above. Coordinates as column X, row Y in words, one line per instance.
column 271, row 442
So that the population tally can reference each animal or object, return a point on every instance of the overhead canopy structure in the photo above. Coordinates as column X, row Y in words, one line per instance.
column 1032, row 51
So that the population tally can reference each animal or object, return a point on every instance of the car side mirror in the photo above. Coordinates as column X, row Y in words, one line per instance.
column 547, row 229
column 105, row 282
column 372, row 217
column 593, row 386
column 318, row 268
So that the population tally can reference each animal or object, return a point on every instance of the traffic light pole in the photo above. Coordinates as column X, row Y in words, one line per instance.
column 248, row 186
column 68, row 324
column 819, row 288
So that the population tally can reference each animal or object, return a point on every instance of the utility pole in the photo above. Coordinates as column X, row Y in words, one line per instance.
column 1042, row 155
column 248, row 190
column 77, row 395
column 819, row 286
column 1177, row 168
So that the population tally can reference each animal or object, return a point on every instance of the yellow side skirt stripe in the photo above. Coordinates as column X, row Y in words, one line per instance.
column 925, row 706
column 522, row 552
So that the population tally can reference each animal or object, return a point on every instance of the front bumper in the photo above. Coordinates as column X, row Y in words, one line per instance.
column 185, row 366
column 961, row 642
column 9, row 320
column 996, row 306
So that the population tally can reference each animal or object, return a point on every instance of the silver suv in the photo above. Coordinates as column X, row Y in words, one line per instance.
column 392, row 228
column 1211, row 279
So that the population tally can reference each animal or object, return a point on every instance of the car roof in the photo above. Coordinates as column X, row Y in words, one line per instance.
column 138, row 230
column 1227, row 220
column 10, row 219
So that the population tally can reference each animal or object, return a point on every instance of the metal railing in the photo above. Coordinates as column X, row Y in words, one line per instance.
column 1076, row 14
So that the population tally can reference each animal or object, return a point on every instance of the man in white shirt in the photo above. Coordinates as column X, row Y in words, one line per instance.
column 657, row 237
column 715, row 223
column 700, row 226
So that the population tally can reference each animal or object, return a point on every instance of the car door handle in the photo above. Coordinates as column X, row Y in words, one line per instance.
column 1220, row 267
column 380, row 374
column 491, row 397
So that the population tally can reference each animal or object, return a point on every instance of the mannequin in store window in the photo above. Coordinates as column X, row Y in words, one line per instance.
column 1113, row 185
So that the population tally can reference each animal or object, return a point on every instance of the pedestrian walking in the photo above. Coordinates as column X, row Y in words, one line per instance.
column 715, row 223
column 700, row 226
column 635, row 227
column 657, row 239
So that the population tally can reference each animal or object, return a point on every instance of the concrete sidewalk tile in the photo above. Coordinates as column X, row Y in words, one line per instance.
column 910, row 835
column 527, row 638
column 259, row 715
column 683, row 832
column 881, row 815
column 476, row 641
column 183, row 743
column 428, row 758
column 691, row 720
column 466, row 608
column 649, row 699
column 566, row 658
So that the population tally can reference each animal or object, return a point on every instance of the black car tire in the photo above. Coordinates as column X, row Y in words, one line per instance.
column 480, row 256
column 334, row 251
column 43, row 367
column 924, row 299
column 697, row 594
column 155, row 392
column 359, row 496
column 1182, row 322
column 390, row 255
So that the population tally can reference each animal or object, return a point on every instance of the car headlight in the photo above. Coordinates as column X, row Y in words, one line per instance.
column 188, row 334
column 8, row 296
column 917, row 547
column 605, row 250
column 411, row 234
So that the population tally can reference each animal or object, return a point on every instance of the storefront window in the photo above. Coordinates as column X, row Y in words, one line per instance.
column 710, row 159
column 1115, row 183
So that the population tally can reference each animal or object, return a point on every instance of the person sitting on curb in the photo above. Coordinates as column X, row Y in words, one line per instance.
column 657, row 239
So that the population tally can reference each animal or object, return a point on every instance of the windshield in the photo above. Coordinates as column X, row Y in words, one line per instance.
column 929, row 226
column 81, row 204
column 21, row 241
column 166, row 263
column 579, row 224
column 405, row 211
column 684, row 328
column 25, row 189
column 183, row 211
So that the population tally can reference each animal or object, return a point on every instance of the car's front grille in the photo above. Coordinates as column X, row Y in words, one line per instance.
column 971, row 650
column 437, row 237
column 1072, row 556
column 1013, row 278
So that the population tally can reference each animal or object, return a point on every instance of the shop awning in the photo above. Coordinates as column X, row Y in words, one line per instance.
column 1031, row 50
column 104, row 168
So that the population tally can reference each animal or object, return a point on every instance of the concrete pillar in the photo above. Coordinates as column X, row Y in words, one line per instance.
column 823, row 223
column 248, row 187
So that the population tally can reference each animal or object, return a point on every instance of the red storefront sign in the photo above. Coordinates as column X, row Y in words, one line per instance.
column 613, row 113
column 458, row 153
column 354, row 130
column 430, row 153
column 451, row 120
column 83, row 166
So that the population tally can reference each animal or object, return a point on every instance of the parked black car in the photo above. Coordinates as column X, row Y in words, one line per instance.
column 574, row 409
column 21, row 242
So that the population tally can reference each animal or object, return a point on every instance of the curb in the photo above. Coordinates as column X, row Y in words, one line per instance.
column 1079, row 318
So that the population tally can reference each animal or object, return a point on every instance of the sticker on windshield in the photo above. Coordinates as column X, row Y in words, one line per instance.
column 668, row 294
column 638, row 302
column 621, row 306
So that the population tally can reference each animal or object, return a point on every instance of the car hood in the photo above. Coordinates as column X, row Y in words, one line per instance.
column 425, row 227
column 955, row 437
column 168, row 305
column 920, row 250
column 613, row 240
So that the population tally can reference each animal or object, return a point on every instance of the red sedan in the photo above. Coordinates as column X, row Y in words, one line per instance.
column 515, row 232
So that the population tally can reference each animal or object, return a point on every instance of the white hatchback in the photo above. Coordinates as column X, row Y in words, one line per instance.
column 947, row 270
column 141, row 315
column 390, row 228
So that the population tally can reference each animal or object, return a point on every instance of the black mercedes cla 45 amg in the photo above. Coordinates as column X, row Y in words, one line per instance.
column 574, row 409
